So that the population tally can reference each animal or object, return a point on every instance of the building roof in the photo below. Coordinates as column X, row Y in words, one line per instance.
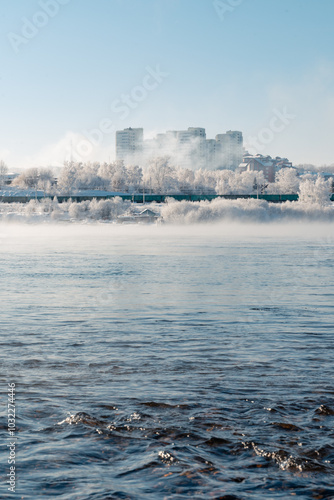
column 148, row 213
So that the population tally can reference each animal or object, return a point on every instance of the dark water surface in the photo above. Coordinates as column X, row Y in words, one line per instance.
column 156, row 363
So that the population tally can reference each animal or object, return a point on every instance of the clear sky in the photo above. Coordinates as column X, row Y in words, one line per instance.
column 68, row 67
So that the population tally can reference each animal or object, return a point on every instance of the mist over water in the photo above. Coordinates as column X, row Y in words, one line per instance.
column 169, row 361
column 161, row 239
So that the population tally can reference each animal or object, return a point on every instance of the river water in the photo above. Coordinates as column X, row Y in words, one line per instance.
column 168, row 362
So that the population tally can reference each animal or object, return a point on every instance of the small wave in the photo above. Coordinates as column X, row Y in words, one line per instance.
column 286, row 461
column 286, row 426
column 166, row 457
column 324, row 410
column 154, row 404
column 134, row 416
column 82, row 418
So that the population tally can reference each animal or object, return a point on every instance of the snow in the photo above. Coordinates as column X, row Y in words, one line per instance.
column 173, row 212
column 314, row 196
column 249, row 210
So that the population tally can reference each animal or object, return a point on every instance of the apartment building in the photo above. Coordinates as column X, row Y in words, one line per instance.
column 129, row 144
column 187, row 148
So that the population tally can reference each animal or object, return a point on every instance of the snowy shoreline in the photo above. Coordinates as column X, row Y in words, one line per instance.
column 173, row 212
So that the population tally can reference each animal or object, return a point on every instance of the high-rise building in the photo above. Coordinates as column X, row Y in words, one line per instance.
column 187, row 148
column 191, row 147
column 129, row 144
column 229, row 150
column 211, row 145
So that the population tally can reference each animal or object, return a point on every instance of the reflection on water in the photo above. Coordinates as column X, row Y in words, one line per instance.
column 169, row 362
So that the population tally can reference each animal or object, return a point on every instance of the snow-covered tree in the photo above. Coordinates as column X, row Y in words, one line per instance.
column 160, row 176
column 249, row 183
column 28, row 179
column 114, row 175
column 67, row 178
column 88, row 176
column 318, row 191
column 134, row 178
column 45, row 180
column 185, row 178
column 3, row 173
column 286, row 182
column 224, row 182
column 205, row 181
column 119, row 178
column 229, row 182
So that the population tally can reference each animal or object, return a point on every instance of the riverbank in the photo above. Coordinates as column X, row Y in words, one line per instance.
column 174, row 212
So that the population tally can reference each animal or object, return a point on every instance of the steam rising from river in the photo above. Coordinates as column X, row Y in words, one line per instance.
column 114, row 239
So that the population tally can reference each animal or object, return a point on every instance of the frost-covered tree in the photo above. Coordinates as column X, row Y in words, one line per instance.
column 78, row 210
column 286, row 182
column 160, row 176
column 28, row 179
column 259, row 182
column 88, row 176
column 134, row 178
column 80, row 176
column 210, row 181
column 248, row 183
column 304, row 167
column 119, row 179
column 3, row 173
column 106, row 171
column 224, row 182
column 318, row 191
column 205, row 181
column 98, row 209
column 34, row 178
column 185, row 178
column 67, row 178
column 114, row 175
column 229, row 182
column 45, row 180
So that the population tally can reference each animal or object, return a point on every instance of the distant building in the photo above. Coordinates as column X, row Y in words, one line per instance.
column 282, row 163
column 229, row 150
column 266, row 164
column 145, row 216
column 187, row 148
column 191, row 147
column 10, row 177
column 211, row 151
column 129, row 145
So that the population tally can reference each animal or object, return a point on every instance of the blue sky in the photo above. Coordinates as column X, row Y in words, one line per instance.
column 67, row 65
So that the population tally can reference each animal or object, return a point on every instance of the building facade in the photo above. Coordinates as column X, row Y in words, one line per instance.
column 229, row 150
column 129, row 145
column 266, row 164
